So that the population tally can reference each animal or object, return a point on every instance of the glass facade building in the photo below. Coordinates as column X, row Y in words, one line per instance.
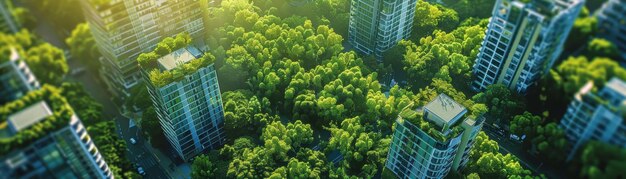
column 612, row 24
column 124, row 29
column 377, row 25
column 419, row 153
column 190, row 110
column 523, row 41
column 64, row 152
column 596, row 116
column 16, row 79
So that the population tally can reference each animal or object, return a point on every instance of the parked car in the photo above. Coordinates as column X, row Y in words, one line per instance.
column 140, row 171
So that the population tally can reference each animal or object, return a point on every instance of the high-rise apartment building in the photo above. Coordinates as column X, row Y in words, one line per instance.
column 124, row 29
column 612, row 24
column 524, row 38
column 188, row 100
column 596, row 116
column 442, row 145
column 378, row 25
column 43, row 138
column 7, row 21
column 16, row 79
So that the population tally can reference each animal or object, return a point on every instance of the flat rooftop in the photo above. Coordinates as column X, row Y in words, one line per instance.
column 445, row 108
column 29, row 116
column 180, row 56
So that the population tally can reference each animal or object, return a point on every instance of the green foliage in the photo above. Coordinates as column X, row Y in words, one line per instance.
column 447, row 56
column 272, row 52
column 503, row 103
column 364, row 152
column 429, row 17
column 525, row 124
column 245, row 114
column 295, row 169
column 139, row 97
column 601, row 160
column 584, row 28
column 472, row 8
column 87, row 108
column 83, row 46
column 279, row 139
column 202, row 167
column 111, row 146
column 487, row 162
column 152, row 128
column 47, row 63
column 567, row 78
column 162, row 78
column 148, row 60
column 599, row 47
column 550, row 142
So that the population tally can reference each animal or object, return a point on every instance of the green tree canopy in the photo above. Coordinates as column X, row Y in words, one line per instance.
column 202, row 168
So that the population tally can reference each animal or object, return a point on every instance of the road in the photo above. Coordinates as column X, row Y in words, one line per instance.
column 528, row 161
column 137, row 153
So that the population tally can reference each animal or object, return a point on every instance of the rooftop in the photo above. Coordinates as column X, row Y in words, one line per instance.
column 445, row 108
column 29, row 116
column 617, row 85
column 180, row 56
column 33, row 116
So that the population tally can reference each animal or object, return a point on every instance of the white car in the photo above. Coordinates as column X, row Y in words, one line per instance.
column 140, row 171
column 133, row 141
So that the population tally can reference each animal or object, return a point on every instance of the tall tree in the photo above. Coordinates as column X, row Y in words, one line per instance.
column 602, row 160
column 83, row 46
column 202, row 167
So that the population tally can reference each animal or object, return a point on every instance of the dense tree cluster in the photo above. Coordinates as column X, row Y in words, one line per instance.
column 601, row 160
column 364, row 153
column 429, row 17
column 487, row 162
column 503, row 103
column 46, row 61
column 245, row 114
column 446, row 56
column 83, row 47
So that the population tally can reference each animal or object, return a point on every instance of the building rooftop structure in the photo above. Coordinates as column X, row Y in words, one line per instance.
column 180, row 56
column 445, row 110
column 29, row 116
